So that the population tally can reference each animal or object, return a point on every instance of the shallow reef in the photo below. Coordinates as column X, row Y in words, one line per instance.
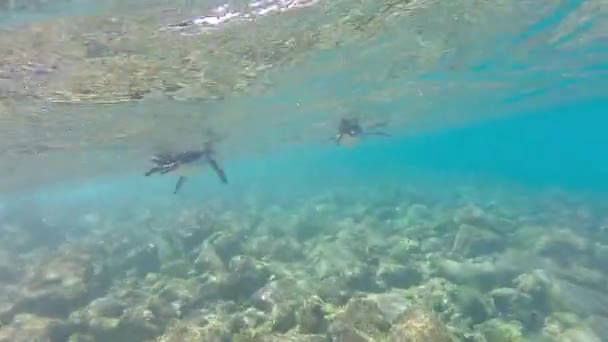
column 366, row 265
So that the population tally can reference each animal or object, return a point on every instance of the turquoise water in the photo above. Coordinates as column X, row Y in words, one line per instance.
column 482, row 217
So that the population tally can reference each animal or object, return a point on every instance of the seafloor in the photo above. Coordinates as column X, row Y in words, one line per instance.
column 468, row 263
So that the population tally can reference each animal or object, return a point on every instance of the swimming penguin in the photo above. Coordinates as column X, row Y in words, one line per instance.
column 185, row 162
column 349, row 130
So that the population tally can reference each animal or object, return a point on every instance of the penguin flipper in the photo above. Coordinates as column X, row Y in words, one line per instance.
column 178, row 185
column 218, row 170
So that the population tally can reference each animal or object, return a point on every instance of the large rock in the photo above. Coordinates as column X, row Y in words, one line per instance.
column 57, row 285
column 29, row 328
column 361, row 320
column 417, row 325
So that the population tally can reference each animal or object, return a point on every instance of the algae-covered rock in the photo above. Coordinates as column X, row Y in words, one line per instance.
column 79, row 337
column 501, row 331
column 405, row 250
column 485, row 274
column 514, row 304
column 143, row 260
column 177, row 268
column 391, row 275
column 361, row 320
column 180, row 332
column 106, row 307
column 471, row 214
column 308, row 226
column 599, row 325
column 136, row 324
column 562, row 245
column 58, row 284
column 578, row 334
column 558, row 322
column 247, row 320
column 334, row 290
column 391, row 304
column 283, row 249
column 103, row 326
column 418, row 212
column 227, row 244
column 471, row 241
column 209, row 261
column 279, row 292
column 552, row 293
column 538, row 285
column 301, row 338
column 244, row 278
column 283, row 317
column 473, row 304
column 310, row 317
column 28, row 328
column 417, row 325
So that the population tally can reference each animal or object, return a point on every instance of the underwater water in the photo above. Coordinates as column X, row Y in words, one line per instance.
column 478, row 213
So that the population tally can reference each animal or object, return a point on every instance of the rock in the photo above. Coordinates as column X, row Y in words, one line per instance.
column 399, row 276
column 499, row 330
column 281, row 294
column 334, row 290
column 392, row 304
column 142, row 260
column 182, row 331
column 563, row 246
column 246, row 320
column 484, row 274
column 58, row 285
column 471, row 241
column 473, row 304
column 552, row 293
column 417, row 325
column 307, row 227
column 471, row 214
column 361, row 320
column 417, row 212
column 294, row 337
column 79, row 337
column 227, row 244
column 361, row 278
column 578, row 334
column 136, row 324
column 283, row 317
column 245, row 277
column 599, row 325
column 106, row 307
column 194, row 229
column 558, row 322
column 162, row 308
column 10, row 270
column 179, row 268
column 515, row 305
column 405, row 250
column 432, row 244
column 310, row 317
column 28, row 328
column 103, row 326
column 282, row 249
column 600, row 256
column 209, row 261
